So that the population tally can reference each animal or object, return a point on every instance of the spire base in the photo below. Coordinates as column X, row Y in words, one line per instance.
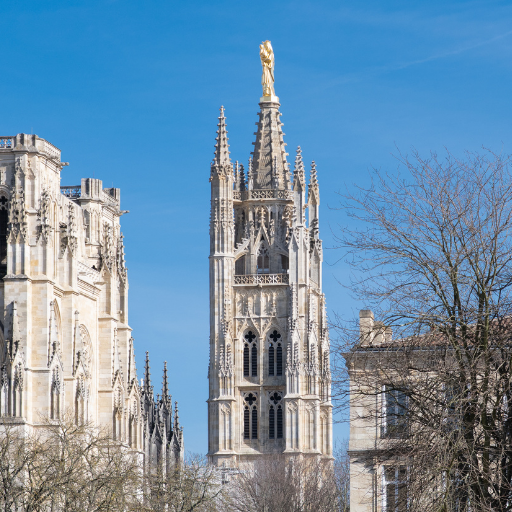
column 269, row 99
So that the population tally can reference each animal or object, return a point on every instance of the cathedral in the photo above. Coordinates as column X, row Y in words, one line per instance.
column 269, row 373
column 65, row 342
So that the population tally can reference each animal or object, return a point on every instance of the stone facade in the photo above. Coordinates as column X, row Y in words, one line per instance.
column 368, row 444
column 269, row 372
column 66, row 346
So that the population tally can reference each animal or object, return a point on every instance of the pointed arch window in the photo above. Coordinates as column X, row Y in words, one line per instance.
column 240, row 266
column 250, row 417
column 275, row 354
column 275, row 416
column 250, row 355
column 263, row 262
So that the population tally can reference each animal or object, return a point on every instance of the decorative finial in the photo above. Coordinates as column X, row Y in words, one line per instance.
column 267, row 78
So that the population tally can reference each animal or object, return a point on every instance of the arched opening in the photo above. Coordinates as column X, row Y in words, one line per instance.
column 275, row 416
column 240, row 266
column 250, row 355
column 263, row 262
column 250, row 417
column 285, row 264
column 254, row 423
column 275, row 354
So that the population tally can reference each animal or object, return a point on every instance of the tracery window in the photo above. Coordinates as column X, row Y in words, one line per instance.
column 250, row 417
column 275, row 354
column 275, row 416
column 250, row 355
column 263, row 263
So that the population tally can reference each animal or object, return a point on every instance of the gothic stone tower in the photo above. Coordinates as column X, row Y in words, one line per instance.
column 269, row 347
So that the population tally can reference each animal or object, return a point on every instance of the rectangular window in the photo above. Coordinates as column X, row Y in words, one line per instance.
column 395, row 489
column 394, row 413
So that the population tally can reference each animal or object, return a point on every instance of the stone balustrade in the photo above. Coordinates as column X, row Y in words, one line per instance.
column 262, row 194
column 256, row 279
column 7, row 142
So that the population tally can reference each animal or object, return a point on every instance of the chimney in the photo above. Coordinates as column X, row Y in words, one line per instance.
column 365, row 327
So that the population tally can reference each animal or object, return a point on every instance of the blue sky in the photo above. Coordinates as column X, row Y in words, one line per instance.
column 130, row 92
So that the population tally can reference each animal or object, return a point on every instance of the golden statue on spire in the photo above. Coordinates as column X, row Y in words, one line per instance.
column 267, row 62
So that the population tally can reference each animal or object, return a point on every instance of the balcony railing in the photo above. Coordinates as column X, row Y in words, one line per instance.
column 6, row 142
column 72, row 192
column 262, row 194
column 262, row 279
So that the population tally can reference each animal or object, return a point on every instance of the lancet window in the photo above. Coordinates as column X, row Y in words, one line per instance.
column 3, row 236
column 275, row 354
column 240, row 266
column 250, row 417
column 275, row 416
column 263, row 262
column 250, row 355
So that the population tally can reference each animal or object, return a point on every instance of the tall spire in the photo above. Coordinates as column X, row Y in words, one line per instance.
column 221, row 156
column 270, row 168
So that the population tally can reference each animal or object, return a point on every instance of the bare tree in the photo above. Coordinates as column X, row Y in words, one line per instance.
column 277, row 483
column 64, row 466
column 193, row 485
column 431, row 253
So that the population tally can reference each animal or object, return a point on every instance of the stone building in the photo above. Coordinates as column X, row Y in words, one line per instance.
column 269, row 373
column 65, row 341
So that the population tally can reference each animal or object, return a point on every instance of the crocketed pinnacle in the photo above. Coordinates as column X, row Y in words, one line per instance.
column 270, row 168
column 176, row 415
column 165, row 384
column 221, row 156
column 147, row 375
column 299, row 175
column 313, row 189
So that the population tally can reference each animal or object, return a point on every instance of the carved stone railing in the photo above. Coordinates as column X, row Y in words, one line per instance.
column 262, row 194
column 73, row 192
column 7, row 142
column 85, row 270
column 262, row 279
column 112, row 201
column 50, row 150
